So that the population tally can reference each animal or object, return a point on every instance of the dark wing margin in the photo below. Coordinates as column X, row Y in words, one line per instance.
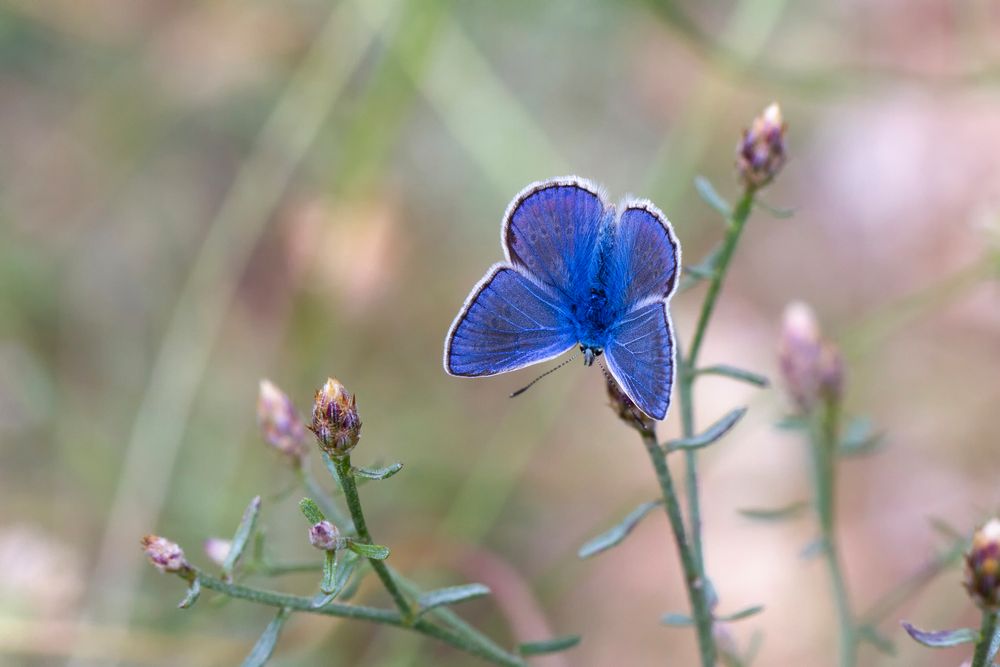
column 640, row 356
column 508, row 322
column 551, row 230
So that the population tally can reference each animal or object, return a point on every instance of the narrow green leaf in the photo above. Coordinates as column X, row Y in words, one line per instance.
column 743, row 613
column 451, row 595
column 776, row 211
column 942, row 638
column 867, row 633
column 264, row 647
column 813, row 549
column 947, row 530
column 329, row 571
column 675, row 620
column 242, row 537
column 378, row 473
column 860, row 438
column 753, row 648
column 711, row 197
column 710, row 435
column 789, row 511
column 736, row 374
column 193, row 593
column 549, row 645
column 311, row 511
column 793, row 423
column 614, row 537
column 372, row 551
column 700, row 272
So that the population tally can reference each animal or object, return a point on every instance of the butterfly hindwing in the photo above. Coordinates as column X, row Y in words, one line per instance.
column 509, row 321
column 640, row 355
column 551, row 230
column 646, row 255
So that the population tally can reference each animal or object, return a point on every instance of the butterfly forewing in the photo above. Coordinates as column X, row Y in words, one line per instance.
column 551, row 230
column 508, row 322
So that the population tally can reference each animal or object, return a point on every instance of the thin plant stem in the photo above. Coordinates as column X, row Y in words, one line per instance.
column 322, row 498
column 693, row 579
column 483, row 649
column 350, row 487
column 987, row 629
column 687, row 372
column 825, row 431
column 470, row 634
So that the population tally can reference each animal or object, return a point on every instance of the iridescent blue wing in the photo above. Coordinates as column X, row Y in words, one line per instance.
column 645, row 259
column 550, row 231
column 640, row 354
column 509, row 321
column 642, row 269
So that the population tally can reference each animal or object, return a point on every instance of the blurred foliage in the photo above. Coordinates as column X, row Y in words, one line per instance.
column 195, row 195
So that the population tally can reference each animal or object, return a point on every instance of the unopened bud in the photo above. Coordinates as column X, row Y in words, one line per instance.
column 811, row 366
column 335, row 419
column 167, row 556
column 761, row 153
column 280, row 423
column 325, row 536
column 217, row 549
column 982, row 567
column 626, row 409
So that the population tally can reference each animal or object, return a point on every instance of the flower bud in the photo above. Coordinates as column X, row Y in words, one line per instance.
column 761, row 153
column 812, row 367
column 217, row 549
column 982, row 567
column 164, row 554
column 280, row 423
column 626, row 410
column 335, row 419
column 325, row 536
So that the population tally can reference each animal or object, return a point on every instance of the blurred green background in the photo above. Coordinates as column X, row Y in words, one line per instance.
column 197, row 195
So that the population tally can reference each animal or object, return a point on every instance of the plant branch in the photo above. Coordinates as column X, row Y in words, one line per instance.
column 825, row 432
column 689, row 364
column 392, row 617
column 986, row 632
column 693, row 579
column 347, row 482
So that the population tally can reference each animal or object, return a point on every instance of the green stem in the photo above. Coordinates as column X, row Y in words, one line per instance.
column 986, row 632
column 689, row 364
column 323, row 499
column 469, row 634
column 485, row 650
column 346, row 474
column 693, row 579
column 825, row 431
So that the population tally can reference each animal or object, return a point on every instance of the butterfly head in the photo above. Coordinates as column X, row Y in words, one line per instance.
column 589, row 354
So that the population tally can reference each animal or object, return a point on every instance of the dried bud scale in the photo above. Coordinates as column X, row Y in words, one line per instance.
column 335, row 420
column 280, row 423
column 982, row 567
column 626, row 409
column 760, row 155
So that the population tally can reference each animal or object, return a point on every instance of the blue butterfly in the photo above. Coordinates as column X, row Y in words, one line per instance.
column 578, row 271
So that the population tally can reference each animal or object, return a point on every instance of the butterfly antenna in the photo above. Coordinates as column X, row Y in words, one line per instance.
column 548, row 372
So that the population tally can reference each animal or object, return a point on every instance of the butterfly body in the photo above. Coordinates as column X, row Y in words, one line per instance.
column 579, row 272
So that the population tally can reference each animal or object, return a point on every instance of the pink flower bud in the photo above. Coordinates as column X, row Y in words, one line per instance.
column 982, row 567
column 811, row 366
column 280, row 423
column 761, row 153
column 164, row 554
column 325, row 536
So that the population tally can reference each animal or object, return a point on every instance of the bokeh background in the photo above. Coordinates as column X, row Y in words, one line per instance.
column 197, row 195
